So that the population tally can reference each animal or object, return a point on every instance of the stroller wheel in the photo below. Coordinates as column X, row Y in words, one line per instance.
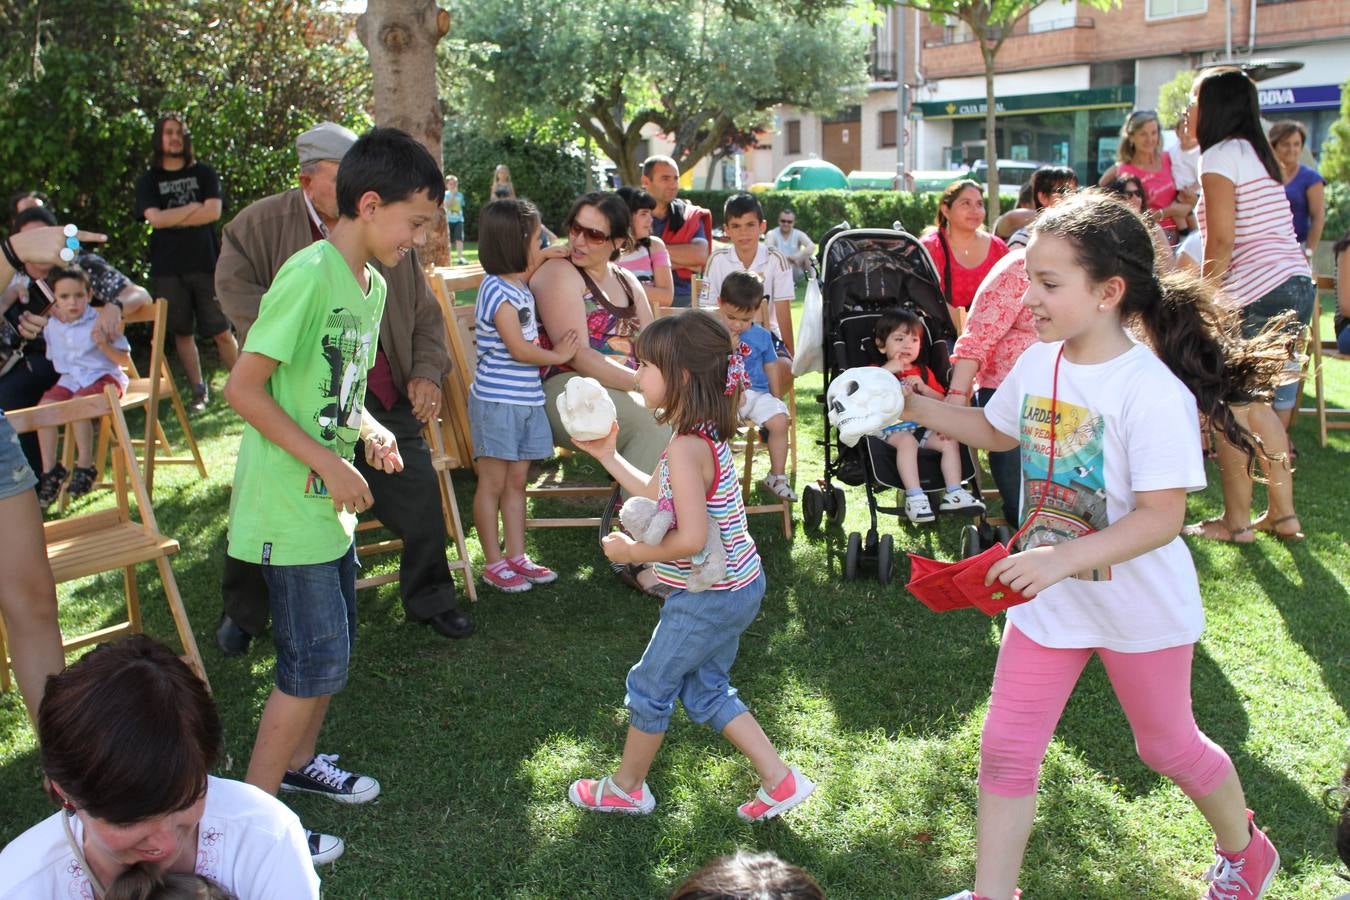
column 1002, row 534
column 870, row 542
column 972, row 542
column 852, row 555
column 813, row 506
column 835, row 505
column 885, row 550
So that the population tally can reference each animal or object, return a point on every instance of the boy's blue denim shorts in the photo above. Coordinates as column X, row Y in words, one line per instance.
column 509, row 430
column 689, row 657
column 1298, row 294
column 313, row 624
column 15, row 474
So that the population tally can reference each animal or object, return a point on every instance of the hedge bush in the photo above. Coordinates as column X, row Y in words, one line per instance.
column 819, row 211
column 549, row 176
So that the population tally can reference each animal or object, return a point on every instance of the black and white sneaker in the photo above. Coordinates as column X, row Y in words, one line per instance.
column 321, row 776
column 323, row 848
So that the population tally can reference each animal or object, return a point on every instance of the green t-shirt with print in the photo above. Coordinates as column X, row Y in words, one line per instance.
column 323, row 332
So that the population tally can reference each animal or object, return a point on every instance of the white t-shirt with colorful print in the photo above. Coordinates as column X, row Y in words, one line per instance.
column 248, row 842
column 1121, row 427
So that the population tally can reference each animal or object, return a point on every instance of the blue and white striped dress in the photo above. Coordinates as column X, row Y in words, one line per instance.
column 727, row 509
column 499, row 378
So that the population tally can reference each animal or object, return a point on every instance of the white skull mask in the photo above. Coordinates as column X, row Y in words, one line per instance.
column 586, row 410
column 863, row 401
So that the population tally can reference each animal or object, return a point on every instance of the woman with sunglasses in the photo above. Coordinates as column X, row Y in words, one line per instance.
column 1141, row 154
column 588, row 293
column 1130, row 189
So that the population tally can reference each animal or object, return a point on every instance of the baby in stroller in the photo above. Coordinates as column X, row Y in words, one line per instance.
column 899, row 337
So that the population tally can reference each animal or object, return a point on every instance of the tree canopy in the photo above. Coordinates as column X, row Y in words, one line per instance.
column 85, row 80
column 700, row 72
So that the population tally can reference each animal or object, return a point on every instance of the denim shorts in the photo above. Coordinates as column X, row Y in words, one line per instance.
column 689, row 657
column 15, row 475
column 1298, row 294
column 313, row 624
column 509, row 430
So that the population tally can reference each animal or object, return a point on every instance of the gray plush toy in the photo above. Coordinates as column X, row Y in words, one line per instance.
column 647, row 522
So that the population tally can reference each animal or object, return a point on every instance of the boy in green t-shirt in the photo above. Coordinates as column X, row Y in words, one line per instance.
column 299, row 386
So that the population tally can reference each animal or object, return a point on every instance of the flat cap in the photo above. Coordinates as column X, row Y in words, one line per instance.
column 327, row 140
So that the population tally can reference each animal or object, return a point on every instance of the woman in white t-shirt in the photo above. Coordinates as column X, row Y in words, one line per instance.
column 1110, row 448
column 1252, row 254
column 127, row 736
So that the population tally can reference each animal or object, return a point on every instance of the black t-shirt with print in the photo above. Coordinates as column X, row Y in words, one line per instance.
column 179, row 251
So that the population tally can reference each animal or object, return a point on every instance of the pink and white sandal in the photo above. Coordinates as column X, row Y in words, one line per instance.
column 605, row 796
column 791, row 791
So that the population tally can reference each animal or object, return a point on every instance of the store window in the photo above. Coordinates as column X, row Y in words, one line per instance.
column 794, row 137
column 1166, row 9
column 886, row 128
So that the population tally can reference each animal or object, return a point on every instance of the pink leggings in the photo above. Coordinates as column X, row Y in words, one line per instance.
column 1032, row 683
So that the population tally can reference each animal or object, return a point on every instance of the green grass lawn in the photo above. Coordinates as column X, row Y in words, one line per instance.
column 878, row 699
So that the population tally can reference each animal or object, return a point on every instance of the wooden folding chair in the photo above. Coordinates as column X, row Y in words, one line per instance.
column 448, row 452
column 109, row 539
column 148, row 392
column 1328, row 419
column 459, row 323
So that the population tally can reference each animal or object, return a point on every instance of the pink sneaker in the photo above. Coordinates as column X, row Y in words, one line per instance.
column 1245, row 875
column 531, row 571
column 791, row 791
column 504, row 578
column 603, row 795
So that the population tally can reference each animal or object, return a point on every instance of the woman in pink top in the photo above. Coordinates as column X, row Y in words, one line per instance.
column 962, row 250
column 1141, row 154
column 1252, row 253
column 998, row 329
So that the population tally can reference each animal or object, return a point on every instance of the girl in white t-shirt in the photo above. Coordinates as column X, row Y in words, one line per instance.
column 1101, row 557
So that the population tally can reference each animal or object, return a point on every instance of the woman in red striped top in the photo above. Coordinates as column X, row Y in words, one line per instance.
column 1252, row 253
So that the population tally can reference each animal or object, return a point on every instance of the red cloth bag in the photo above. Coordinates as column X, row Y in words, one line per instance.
column 944, row 586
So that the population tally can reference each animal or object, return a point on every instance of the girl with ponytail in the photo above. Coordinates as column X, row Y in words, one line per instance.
column 1110, row 445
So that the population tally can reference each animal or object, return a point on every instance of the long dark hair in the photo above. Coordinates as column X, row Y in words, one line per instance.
column 615, row 210
column 1229, row 108
column 157, row 151
column 1121, row 183
column 691, row 351
column 1195, row 337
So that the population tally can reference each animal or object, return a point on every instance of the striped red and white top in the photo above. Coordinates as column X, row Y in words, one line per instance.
column 728, row 510
column 1265, row 251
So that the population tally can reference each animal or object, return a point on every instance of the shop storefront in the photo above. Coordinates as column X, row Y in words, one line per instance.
column 1316, row 106
column 1079, row 128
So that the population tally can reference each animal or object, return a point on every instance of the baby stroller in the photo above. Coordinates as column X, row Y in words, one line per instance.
column 863, row 273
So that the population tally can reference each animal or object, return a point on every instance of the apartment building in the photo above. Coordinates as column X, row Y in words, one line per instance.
column 1066, row 78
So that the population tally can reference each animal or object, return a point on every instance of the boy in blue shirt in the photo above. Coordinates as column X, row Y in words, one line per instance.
column 738, row 301
column 299, row 386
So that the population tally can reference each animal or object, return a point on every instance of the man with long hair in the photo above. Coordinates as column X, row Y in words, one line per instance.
column 180, row 198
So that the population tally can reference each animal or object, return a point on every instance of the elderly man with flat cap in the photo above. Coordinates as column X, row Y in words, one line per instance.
column 403, row 389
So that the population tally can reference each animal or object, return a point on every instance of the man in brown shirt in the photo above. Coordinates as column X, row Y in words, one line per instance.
column 403, row 388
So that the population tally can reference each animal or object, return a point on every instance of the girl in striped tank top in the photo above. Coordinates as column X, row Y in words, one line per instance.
column 686, row 376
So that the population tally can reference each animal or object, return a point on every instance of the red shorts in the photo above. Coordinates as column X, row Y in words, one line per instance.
column 58, row 393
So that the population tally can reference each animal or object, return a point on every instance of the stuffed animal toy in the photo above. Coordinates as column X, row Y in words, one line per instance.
column 586, row 410
column 648, row 521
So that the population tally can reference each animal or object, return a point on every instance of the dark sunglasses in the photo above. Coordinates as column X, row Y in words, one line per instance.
column 786, row 221
column 594, row 235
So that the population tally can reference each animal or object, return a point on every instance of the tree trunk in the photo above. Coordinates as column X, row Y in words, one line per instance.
column 990, row 136
column 401, row 38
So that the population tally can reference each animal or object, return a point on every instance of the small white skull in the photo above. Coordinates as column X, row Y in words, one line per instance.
column 586, row 410
column 863, row 401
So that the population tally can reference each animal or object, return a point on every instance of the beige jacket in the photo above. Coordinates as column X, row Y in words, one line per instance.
column 267, row 233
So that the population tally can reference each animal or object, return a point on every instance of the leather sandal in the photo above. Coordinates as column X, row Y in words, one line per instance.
column 1225, row 536
column 1273, row 528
